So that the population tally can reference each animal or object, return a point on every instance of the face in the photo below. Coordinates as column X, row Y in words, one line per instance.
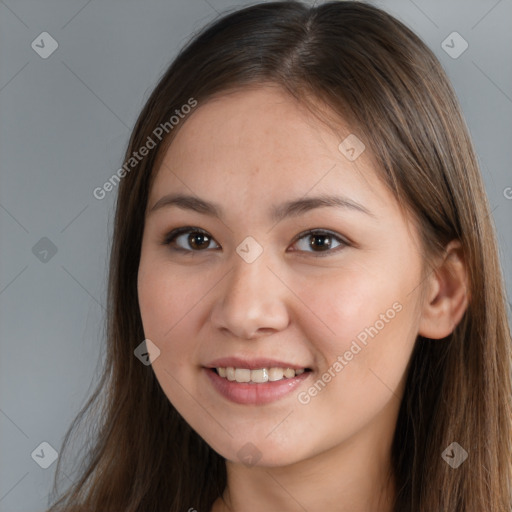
column 340, row 301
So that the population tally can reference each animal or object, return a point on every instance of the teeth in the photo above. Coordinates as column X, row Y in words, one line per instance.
column 258, row 376
column 275, row 374
column 242, row 375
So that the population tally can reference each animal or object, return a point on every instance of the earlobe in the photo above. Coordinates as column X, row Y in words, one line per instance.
column 448, row 295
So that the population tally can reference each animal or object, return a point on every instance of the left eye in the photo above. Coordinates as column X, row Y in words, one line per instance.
column 322, row 240
column 199, row 240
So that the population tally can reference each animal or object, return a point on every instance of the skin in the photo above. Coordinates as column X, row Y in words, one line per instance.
column 248, row 151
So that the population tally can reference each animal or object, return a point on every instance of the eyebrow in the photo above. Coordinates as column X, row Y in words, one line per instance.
column 291, row 208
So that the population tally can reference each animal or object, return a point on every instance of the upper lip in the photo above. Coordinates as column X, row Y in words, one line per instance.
column 252, row 364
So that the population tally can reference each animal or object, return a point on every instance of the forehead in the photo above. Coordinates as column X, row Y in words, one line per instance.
column 264, row 120
column 261, row 141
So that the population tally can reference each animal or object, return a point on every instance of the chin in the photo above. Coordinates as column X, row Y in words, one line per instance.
column 261, row 454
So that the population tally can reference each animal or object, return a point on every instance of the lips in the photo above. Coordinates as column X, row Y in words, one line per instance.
column 252, row 393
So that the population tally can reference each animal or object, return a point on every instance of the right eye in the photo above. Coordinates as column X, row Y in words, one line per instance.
column 196, row 238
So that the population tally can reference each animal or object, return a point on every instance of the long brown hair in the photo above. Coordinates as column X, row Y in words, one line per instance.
column 380, row 78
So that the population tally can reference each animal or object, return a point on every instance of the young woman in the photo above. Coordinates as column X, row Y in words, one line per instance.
column 305, row 254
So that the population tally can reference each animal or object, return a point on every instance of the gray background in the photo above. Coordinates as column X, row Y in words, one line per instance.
column 65, row 121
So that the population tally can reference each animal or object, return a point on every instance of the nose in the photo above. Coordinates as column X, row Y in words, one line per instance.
column 251, row 301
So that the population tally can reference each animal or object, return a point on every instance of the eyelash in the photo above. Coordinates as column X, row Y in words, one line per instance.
column 171, row 236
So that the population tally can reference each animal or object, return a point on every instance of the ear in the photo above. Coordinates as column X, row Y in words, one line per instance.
column 447, row 295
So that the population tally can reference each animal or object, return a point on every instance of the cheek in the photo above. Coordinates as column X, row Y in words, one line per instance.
column 368, row 319
column 166, row 301
column 166, row 297
column 340, row 307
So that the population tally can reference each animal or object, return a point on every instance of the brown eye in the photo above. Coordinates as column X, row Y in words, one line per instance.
column 320, row 241
column 198, row 240
column 192, row 239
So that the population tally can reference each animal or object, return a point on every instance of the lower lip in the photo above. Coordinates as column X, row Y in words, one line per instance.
column 254, row 393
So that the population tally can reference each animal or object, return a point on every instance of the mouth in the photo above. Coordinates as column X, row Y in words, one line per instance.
column 256, row 386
